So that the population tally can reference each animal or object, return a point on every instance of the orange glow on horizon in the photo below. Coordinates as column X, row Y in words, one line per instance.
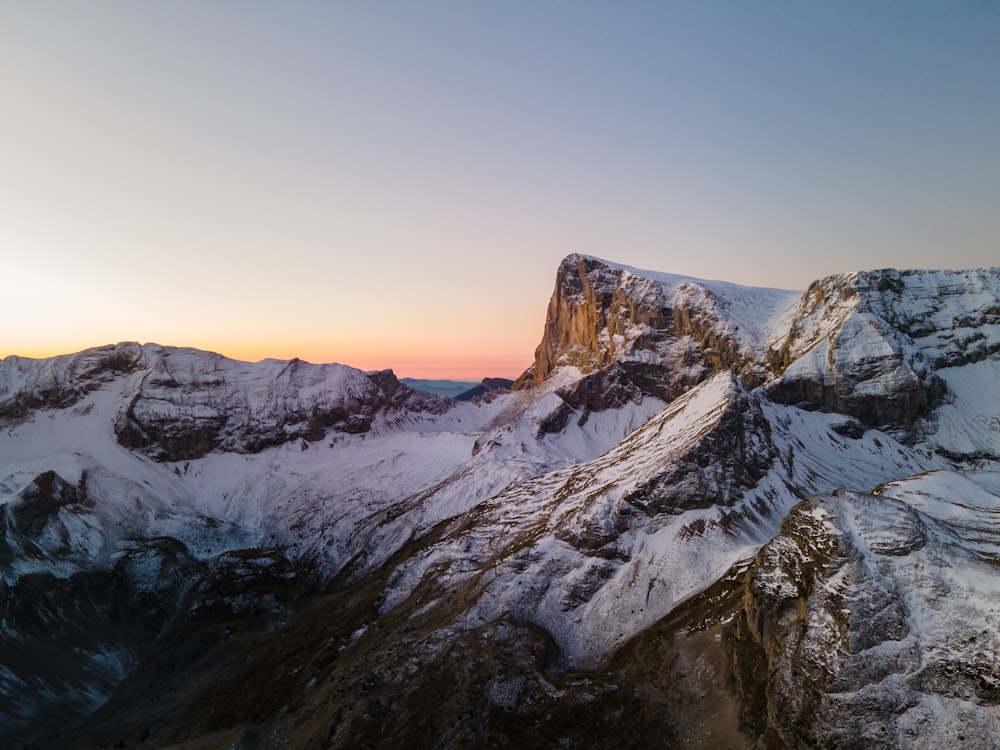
column 414, row 359
column 408, row 361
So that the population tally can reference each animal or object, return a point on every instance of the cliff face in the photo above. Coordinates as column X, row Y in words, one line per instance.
column 662, row 333
column 596, row 316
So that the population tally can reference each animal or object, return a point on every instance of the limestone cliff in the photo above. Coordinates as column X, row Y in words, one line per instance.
column 663, row 333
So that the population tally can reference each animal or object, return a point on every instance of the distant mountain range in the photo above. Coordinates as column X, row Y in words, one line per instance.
column 449, row 388
column 459, row 389
column 707, row 516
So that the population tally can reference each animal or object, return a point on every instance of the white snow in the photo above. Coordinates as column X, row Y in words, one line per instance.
column 970, row 423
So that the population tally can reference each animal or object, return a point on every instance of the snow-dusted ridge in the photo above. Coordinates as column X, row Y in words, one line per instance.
column 178, row 404
column 652, row 467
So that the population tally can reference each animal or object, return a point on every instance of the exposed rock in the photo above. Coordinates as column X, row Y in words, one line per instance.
column 32, row 524
column 38, row 505
column 727, row 460
column 591, row 305
column 59, row 382
column 828, row 624
column 868, row 344
column 850, row 428
column 609, row 388
column 665, row 334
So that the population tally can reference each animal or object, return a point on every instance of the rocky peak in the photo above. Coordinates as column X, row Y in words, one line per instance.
column 665, row 333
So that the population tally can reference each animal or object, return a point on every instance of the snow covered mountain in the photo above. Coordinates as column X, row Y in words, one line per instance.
column 707, row 516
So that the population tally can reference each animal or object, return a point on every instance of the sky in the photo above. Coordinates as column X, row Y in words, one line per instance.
column 393, row 184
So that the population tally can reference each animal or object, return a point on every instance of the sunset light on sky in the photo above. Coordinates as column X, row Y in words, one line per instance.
column 393, row 184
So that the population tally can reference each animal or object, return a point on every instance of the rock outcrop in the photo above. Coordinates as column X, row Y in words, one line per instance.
column 666, row 333
column 851, row 629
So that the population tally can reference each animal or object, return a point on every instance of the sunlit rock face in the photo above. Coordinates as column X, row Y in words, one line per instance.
column 707, row 516
column 664, row 333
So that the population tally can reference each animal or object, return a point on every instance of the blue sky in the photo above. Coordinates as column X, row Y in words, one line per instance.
column 392, row 184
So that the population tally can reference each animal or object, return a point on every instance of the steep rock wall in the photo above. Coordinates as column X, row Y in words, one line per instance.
column 666, row 335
